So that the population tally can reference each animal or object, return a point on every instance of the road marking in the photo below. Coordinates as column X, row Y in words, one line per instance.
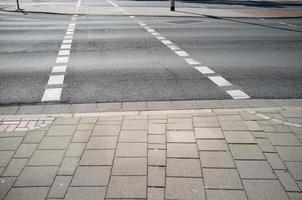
column 237, row 94
column 66, row 41
column 65, row 46
column 56, row 80
column 173, row 47
column 52, row 94
column 68, row 37
column 160, row 38
column 220, row 81
column 282, row 23
column 204, row 70
column 181, row 53
column 166, row 42
column 59, row 69
column 191, row 61
column 62, row 59
column 64, row 52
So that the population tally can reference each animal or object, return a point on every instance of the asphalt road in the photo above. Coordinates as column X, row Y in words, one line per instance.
column 113, row 58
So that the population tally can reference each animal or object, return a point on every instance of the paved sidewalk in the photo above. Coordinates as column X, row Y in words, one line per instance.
column 233, row 154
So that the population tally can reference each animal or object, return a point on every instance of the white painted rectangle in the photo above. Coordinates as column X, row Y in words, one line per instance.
column 68, row 37
column 181, row 53
column 155, row 33
column 69, row 33
column 238, row 94
column 62, row 59
column 220, row 81
column 166, row 42
column 160, row 37
column 59, row 69
column 191, row 61
column 70, row 29
column 56, row 80
column 65, row 46
column 173, row 47
column 205, row 70
column 52, row 94
column 67, row 41
column 64, row 52
column 72, row 24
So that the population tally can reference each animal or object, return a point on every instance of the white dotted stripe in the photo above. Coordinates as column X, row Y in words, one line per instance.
column 55, row 82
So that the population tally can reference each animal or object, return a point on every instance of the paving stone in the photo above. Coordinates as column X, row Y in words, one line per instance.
column 264, row 190
column 181, row 136
column 75, row 149
column 247, row 116
column 5, row 185
column 295, row 169
column 130, row 166
column 268, row 128
column 87, row 193
column 295, row 195
column 156, row 193
column 86, row 127
column 47, row 157
column 61, row 130
column 9, row 143
column 1, row 170
column 222, row 179
column 106, row 130
column 83, row 108
column 81, row 136
column 226, row 195
column 206, row 124
column 253, row 126
column 180, row 120
column 68, row 166
column 59, row 187
column 34, row 137
column 283, row 139
column 184, row 167
column 290, row 153
column 287, row 181
column 127, row 187
column 157, row 139
column 32, row 193
column 133, row 136
column 255, row 170
column 110, row 118
column 88, row 120
column 179, row 126
column 217, row 159
column 102, row 143
column 239, row 137
column 229, row 117
column 97, row 157
column 265, row 145
column 15, row 167
column 67, row 120
column 259, row 135
column 5, row 157
column 184, row 188
column 299, row 184
column 25, row 150
column 212, row 145
column 156, row 176
column 37, row 176
column 54, row 143
column 157, row 157
column 275, row 161
column 12, row 134
column 91, row 176
column 246, row 151
column 208, row 133
column 233, row 126
column 205, row 119
column 297, row 131
column 156, row 128
column 157, row 146
column 177, row 150
column 131, row 150
column 135, row 125
column 282, row 129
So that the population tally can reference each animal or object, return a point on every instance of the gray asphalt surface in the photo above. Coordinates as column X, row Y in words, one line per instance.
column 114, row 59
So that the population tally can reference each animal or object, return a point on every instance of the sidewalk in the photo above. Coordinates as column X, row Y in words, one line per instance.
column 156, row 11
column 211, row 153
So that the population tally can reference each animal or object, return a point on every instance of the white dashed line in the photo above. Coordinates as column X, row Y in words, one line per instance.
column 220, row 81
column 204, row 70
column 160, row 38
column 62, row 59
column 181, row 53
column 282, row 23
column 56, row 80
column 67, row 42
column 191, row 61
column 52, row 94
column 64, row 52
column 237, row 94
column 65, row 46
column 59, row 69
column 166, row 42
column 173, row 47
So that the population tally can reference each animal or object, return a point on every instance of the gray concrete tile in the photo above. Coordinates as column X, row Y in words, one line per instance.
column 295, row 195
column 88, row 120
column 61, row 130
column 25, row 150
column 156, row 176
column 37, row 176
column 184, row 188
column 88, row 193
column 265, row 145
column 275, row 161
column 208, row 133
column 67, row 120
column 59, row 187
column 226, row 195
column 135, row 125
column 246, row 151
column 75, row 149
column 56, row 109
column 236, row 137
column 233, row 126
column 54, row 142
column 81, row 136
column 47, row 157
column 130, row 166
column 255, row 170
column 83, row 108
column 34, row 137
column 133, row 136
column 15, row 167
column 236, row 117
column 290, row 153
column 222, row 179
column 5, row 185
column 7, row 144
column 159, row 129
column 283, row 139
column 295, row 168
column 68, row 166
column 180, row 136
column 264, row 190
column 183, row 167
column 216, row 159
column 177, row 150
column 106, row 130
column 212, row 145
column 32, row 193
column 156, row 193
column 253, row 126
column 85, row 127
column 287, row 181
column 131, row 150
column 127, row 187
column 36, row 109
column 91, row 176
column 179, row 126
column 97, row 157
column 102, row 143
column 5, row 157
column 157, row 157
